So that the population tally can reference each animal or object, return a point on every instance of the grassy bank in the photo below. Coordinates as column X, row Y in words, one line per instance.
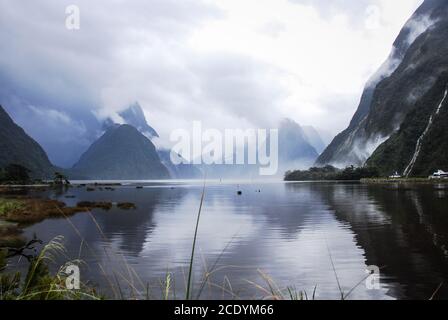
column 29, row 211
column 38, row 283
column 19, row 208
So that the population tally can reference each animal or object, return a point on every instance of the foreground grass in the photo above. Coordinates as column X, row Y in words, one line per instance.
column 7, row 206
column 38, row 283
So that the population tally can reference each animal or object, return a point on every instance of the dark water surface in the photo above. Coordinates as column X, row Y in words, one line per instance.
column 292, row 233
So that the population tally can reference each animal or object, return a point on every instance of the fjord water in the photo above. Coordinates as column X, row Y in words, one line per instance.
column 300, row 235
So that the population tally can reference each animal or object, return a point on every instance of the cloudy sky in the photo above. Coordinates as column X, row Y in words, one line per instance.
column 229, row 63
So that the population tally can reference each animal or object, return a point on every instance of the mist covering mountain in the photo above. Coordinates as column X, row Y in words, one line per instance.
column 184, row 170
column 295, row 146
column 399, row 124
column 122, row 153
column 420, row 146
column 295, row 151
column 415, row 67
column 17, row 147
column 135, row 117
column 315, row 138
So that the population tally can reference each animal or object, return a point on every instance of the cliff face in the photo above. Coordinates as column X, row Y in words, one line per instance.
column 16, row 147
column 420, row 146
column 418, row 60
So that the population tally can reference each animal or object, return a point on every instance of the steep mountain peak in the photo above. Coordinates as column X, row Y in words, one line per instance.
column 418, row 58
column 293, row 143
column 122, row 152
column 135, row 117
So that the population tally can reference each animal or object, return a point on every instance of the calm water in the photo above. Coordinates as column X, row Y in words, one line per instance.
column 287, row 232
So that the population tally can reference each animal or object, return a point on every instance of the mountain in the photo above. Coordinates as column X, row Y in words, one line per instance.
column 314, row 138
column 135, row 117
column 294, row 152
column 180, row 171
column 16, row 147
column 417, row 62
column 420, row 147
column 294, row 146
column 122, row 153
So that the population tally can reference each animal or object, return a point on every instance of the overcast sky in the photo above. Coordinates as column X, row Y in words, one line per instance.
column 229, row 63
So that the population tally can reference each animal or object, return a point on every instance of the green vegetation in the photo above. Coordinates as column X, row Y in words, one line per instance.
column 126, row 206
column 15, row 173
column 330, row 173
column 38, row 283
column 60, row 179
column 404, row 181
column 396, row 153
column 190, row 271
column 28, row 211
column 404, row 99
column 7, row 205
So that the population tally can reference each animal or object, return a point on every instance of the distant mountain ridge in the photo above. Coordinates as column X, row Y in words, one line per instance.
column 314, row 138
column 127, row 152
column 417, row 63
column 295, row 151
column 294, row 143
column 17, row 147
column 135, row 117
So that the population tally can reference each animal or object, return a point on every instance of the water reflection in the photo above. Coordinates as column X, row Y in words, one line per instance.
column 295, row 233
column 402, row 229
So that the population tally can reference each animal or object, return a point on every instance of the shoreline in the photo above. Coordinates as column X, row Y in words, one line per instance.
column 426, row 181
column 19, row 211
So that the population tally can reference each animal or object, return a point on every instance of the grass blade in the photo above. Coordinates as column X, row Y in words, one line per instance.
column 190, row 272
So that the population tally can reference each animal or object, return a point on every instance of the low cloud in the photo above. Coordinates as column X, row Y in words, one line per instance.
column 418, row 26
column 229, row 63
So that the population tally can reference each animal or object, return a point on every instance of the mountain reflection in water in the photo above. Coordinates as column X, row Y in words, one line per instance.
column 290, row 232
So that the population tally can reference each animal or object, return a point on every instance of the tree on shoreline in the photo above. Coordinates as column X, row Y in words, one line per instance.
column 350, row 173
column 15, row 173
column 60, row 179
